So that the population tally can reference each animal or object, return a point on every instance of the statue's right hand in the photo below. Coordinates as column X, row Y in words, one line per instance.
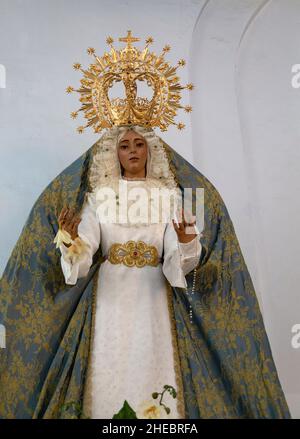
column 69, row 221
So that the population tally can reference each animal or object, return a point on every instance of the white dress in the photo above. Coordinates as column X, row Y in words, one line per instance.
column 132, row 352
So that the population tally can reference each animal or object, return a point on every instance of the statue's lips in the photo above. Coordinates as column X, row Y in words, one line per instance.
column 134, row 158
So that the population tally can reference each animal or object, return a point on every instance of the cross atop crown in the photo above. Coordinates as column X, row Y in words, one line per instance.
column 129, row 39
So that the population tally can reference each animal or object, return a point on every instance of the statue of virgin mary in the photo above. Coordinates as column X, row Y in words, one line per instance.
column 120, row 308
column 134, row 348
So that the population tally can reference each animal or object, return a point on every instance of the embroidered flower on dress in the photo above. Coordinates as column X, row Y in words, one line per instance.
column 149, row 410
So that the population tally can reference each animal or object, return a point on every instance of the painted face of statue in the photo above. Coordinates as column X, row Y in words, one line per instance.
column 132, row 153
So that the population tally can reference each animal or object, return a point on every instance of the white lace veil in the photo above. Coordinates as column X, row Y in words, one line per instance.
column 106, row 172
column 106, row 167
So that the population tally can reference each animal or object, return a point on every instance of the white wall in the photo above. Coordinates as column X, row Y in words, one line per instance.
column 243, row 133
column 246, row 141
column 39, row 42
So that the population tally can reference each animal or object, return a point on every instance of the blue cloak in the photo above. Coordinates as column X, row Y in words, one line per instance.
column 225, row 362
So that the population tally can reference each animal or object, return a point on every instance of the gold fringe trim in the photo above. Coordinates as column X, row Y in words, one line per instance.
column 87, row 395
column 177, row 365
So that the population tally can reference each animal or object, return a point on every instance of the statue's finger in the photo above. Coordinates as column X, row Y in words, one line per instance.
column 76, row 220
column 72, row 229
column 175, row 225
column 69, row 215
column 66, row 214
column 181, row 226
column 62, row 213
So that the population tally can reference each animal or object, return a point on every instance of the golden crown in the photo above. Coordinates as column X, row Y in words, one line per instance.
column 130, row 65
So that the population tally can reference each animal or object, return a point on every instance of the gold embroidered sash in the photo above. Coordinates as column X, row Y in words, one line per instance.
column 133, row 254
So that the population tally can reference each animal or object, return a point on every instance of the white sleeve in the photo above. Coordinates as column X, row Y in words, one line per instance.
column 179, row 258
column 76, row 260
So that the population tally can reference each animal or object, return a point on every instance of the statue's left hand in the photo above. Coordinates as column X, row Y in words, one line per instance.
column 183, row 227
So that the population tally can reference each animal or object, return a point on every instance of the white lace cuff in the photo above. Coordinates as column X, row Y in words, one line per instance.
column 190, row 249
column 76, row 251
